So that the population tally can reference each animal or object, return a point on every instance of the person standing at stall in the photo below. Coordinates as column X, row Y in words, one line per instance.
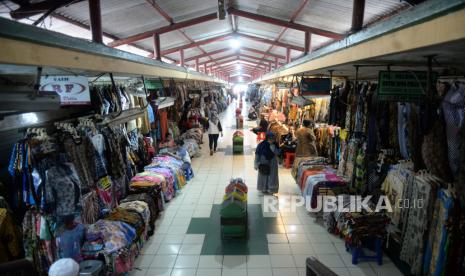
column 214, row 130
column 266, row 162
column 306, row 140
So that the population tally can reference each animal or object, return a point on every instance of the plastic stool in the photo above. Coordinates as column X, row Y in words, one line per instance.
column 289, row 159
column 261, row 136
column 357, row 252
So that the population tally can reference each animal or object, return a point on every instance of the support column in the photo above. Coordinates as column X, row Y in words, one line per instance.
column 276, row 63
column 308, row 42
column 156, row 46
column 288, row 55
column 95, row 21
column 197, row 64
column 181, row 59
column 358, row 13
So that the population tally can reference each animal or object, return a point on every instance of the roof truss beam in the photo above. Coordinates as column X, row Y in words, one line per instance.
column 262, row 52
column 283, row 23
column 196, row 43
column 271, row 42
column 165, row 29
column 27, row 9
column 207, row 54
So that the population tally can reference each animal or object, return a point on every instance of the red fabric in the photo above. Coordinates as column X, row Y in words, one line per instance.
column 163, row 115
column 308, row 173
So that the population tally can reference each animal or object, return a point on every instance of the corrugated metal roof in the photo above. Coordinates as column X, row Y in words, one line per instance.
column 123, row 18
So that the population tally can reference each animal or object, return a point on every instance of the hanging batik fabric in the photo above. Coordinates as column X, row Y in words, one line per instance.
column 436, row 245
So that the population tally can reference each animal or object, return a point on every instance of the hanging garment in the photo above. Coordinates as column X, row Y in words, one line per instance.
column 413, row 243
column 434, row 151
column 63, row 189
column 360, row 171
column 10, row 238
column 403, row 129
column 436, row 245
column 453, row 107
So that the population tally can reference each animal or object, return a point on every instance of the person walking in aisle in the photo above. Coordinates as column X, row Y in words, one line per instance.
column 306, row 140
column 266, row 162
column 214, row 130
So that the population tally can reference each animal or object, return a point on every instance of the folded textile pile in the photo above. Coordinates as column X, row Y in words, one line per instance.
column 114, row 234
column 153, row 203
column 192, row 147
column 173, row 171
column 193, row 133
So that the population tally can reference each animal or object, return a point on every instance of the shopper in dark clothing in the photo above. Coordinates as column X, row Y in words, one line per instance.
column 262, row 126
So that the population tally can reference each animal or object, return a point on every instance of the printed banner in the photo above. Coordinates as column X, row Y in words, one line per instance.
column 73, row 90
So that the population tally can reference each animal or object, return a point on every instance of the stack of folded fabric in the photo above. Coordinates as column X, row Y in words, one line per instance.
column 192, row 147
column 114, row 242
column 172, row 169
column 155, row 206
column 193, row 133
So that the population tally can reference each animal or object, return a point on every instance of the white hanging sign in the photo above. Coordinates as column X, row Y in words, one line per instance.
column 73, row 90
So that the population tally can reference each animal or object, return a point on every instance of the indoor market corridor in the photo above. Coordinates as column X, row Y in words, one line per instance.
column 187, row 238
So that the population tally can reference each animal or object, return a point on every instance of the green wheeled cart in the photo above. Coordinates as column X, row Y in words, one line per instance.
column 238, row 142
column 234, row 218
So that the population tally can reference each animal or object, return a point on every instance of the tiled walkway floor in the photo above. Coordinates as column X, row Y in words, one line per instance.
column 188, row 229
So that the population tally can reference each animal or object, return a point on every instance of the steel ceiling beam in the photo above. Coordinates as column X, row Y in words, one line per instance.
column 228, row 35
column 240, row 61
column 195, row 44
column 257, row 58
column 243, row 70
column 271, row 42
column 160, row 11
column 358, row 13
column 112, row 36
column 165, row 29
column 262, row 52
column 96, row 21
column 207, row 54
column 171, row 21
column 239, row 54
column 27, row 9
column 294, row 16
column 245, row 66
column 219, row 58
column 283, row 23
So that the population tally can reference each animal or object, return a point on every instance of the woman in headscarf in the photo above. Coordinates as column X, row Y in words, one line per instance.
column 214, row 130
column 266, row 162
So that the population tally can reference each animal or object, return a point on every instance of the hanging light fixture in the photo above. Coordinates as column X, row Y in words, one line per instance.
column 235, row 43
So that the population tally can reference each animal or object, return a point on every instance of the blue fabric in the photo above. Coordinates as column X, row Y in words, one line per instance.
column 70, row 241
column 264, row 149
column 403, row 113
column 150, row 113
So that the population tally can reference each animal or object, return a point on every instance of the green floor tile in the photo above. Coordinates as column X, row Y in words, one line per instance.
column 255, row 244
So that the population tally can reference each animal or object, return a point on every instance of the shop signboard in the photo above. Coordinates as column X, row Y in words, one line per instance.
column 403, row 86
column 73, row 90
column 283, row 85
column 311, row 87
column 153, row 84
column 300, row 101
